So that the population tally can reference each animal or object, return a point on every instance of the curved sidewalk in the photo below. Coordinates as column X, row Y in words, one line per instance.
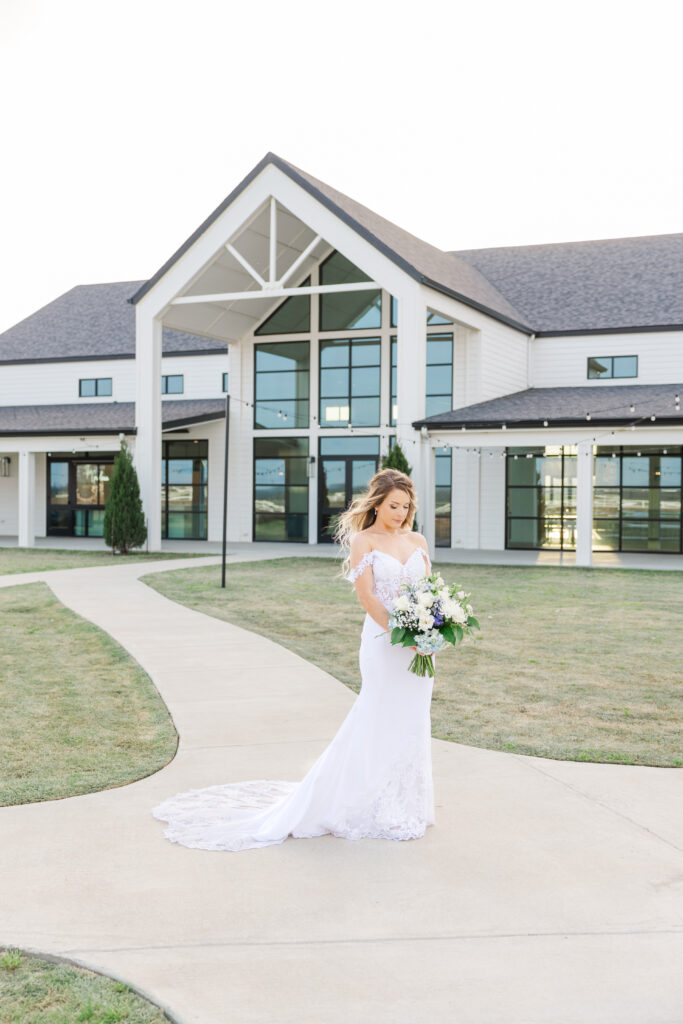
column 548, row 892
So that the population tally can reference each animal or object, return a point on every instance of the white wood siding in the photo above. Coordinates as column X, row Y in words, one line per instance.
column 562, row 362
column 57, row 383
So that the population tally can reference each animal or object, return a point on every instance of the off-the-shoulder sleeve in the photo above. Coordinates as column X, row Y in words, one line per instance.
column 426, row 558
column 365, row 561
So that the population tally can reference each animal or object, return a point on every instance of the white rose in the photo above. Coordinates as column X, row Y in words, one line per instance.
column 425, row 623
column 460, row 594
column 458, row 614
column 425, row 599
column 402, row 603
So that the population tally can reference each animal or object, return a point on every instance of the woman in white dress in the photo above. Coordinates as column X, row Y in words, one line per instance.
column 374, row 780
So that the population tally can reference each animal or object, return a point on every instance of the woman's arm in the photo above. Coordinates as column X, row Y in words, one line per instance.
column 373, row 606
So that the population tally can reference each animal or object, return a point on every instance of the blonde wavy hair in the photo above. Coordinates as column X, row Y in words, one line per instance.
column 361, row 512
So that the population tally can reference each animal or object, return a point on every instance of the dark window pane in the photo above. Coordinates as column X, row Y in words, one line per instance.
column 59, row 483
column 606, row 534
column 439, row 349
column 606, row 502
column 349, row 446
column 636, row 470
column 523, row 533
column 394, row 312
column 336, row 269
column 607, row 470
column 282, row 355
column 297, row 499
column 288, row 527
column 269, row 499
column 279, row 415
column 60, row 520
column 341, row 311
column 190, row 525
column 439, row 381
column 442, row 531
column 625, row 366
column 334, row 382
column 293, row 316
column 365, row 380
column 365, row 412
column 334, row 353
column 362, row 471
column 600, row 367
column 436, row 404
column 281, row 385
column 280, row 447
column 226, row 377
column 525, row 501
column 95, row 522
column 365, row 352
column 180, row 471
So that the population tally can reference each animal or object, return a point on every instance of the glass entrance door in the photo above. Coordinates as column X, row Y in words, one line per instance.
column 342, row 477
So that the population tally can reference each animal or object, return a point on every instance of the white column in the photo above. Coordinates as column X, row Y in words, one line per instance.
column 148, row 332
column 27, row 493
column 429, row 494
column 411, row 359
column 584, row 503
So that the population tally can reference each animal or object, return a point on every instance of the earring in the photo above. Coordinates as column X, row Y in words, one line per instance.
column 375, row 511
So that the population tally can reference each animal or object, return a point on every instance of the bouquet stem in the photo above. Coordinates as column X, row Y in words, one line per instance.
column 422, row 665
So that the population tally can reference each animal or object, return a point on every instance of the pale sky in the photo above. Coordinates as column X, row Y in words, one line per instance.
column 123, row 125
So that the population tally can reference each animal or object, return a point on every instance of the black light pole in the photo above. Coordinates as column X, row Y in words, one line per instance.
column 225, row 487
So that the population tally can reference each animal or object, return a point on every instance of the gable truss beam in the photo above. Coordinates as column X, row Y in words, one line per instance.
column 265, row 293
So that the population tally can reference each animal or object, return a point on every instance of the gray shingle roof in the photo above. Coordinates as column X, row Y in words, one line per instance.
column 89, row 321
column 592, row 285
column 568, row 406
column 422, row 261
column 102, row 418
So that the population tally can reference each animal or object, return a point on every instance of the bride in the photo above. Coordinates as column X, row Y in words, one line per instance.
column 374, row 780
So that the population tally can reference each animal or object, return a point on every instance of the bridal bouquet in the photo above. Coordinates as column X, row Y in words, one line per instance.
column 430, row 614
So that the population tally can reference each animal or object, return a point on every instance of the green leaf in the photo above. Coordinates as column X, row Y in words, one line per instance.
column 473, row 622
column 409, row 639
column 448, row 633
column 397, row 634
column 458, row 631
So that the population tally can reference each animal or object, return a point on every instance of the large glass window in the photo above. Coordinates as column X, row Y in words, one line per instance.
column 439, row 390
column 442, row 504
column 612, row 366
column 281, row 489
column 439, row 386
column 293, row 316
column 637, row 499
column 541, row 497
column 347, row 464
column 184, row 485
column 281, row 385
column 350, row 382
column 346, row 311
column 77, row 493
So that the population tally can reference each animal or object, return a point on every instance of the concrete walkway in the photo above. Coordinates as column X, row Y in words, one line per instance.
column 548, row 892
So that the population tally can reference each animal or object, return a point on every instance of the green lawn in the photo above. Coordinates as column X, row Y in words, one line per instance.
column 78, row 713
column 36, row 991
column 574, row 664
column 42, row 559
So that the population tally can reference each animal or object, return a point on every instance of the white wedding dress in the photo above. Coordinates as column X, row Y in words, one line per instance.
column 373, row 781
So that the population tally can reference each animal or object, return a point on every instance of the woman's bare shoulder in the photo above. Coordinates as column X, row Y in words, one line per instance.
column 421, row 541
column 361, row 543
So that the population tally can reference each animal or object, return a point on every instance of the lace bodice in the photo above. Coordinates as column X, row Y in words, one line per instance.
column 389, row 573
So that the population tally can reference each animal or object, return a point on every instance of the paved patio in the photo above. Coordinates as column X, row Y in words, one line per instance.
column 466, row 556
column 548, row 892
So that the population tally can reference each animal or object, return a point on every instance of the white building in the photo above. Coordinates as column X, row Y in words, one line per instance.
column 534, row 389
